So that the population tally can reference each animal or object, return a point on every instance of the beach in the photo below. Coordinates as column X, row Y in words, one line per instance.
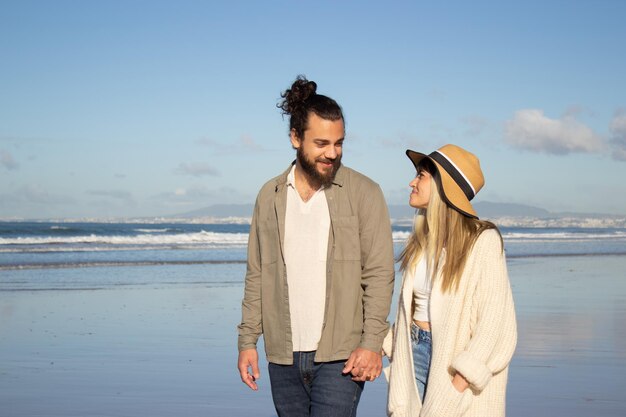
column 150, row 344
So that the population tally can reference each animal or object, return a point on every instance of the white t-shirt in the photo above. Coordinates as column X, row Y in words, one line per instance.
column 307, row 226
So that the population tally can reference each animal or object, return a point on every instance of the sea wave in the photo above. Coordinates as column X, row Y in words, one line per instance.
column 400, row 236
column 535, row 236
column 562, row 236
column 169, row 238
column 150, row 239
column 156, row 238
column 60, row 265
column 152, row 230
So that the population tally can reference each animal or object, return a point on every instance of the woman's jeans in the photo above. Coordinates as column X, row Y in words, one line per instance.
column 422, row 346
column 309, row 388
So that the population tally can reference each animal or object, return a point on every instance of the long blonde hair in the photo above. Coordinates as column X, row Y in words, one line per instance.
column 440, row 227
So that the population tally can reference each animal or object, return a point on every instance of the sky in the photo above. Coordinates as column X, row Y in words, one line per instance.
column 155, row 108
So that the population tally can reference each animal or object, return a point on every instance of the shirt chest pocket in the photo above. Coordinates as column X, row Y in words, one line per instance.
column 347, row 239
column 268, row 241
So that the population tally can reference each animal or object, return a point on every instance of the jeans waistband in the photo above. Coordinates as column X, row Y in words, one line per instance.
column 419, row 334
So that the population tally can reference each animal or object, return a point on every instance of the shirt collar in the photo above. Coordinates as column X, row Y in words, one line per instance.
column 291, row 177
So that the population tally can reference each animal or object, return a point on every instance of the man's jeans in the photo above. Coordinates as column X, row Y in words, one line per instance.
column 422, row 345
column 314, row 389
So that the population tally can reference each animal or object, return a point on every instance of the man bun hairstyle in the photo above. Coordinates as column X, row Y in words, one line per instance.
column 301, row 99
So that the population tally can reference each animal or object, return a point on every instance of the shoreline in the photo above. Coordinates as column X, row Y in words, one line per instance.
column 163, row 342
column 121, row 264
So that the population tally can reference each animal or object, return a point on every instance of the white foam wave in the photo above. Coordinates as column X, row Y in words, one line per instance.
column 563, row 236
column 226, row 239
column 400, row 236
column 152, row 239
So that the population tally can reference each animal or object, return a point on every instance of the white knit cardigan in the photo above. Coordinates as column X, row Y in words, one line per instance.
column 473, row 332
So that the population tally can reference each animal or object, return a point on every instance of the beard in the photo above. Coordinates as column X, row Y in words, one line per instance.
column 322, row 179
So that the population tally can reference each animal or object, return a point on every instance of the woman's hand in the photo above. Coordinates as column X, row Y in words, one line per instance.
column 459, row 382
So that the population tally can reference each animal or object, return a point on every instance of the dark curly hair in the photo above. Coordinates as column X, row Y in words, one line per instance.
column 301, row 99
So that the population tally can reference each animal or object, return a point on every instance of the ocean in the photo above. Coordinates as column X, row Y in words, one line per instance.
column 44, row 245
column 134, row 319
column 49, row 255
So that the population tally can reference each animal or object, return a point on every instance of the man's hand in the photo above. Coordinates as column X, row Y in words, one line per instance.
column 364, row 365
column 249, row 358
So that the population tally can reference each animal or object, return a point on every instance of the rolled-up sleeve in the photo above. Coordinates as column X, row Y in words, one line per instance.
column 377, row 275
column 251, row 325
column 494, row 337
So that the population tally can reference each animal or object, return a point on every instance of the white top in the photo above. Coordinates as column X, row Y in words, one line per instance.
column 422, row 286
column 307, row 225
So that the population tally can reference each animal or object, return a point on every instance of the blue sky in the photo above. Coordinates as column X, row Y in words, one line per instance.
column 150, row 108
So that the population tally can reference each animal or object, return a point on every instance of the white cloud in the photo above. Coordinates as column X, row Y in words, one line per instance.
column 244, row 143
column 196, row 169
column 114, row 194
column 200, row 195
column 248, row 143
column 211, row 143
column 618, row 135
column 7, row 161
column 185, row 195
column 530, row 129
column 31, row 202
column 402, row 140
column 34, row 195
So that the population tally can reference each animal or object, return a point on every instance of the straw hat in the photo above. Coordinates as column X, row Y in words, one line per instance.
column 460, row 173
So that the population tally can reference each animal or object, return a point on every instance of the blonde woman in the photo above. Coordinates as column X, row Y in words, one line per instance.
column 455, row 329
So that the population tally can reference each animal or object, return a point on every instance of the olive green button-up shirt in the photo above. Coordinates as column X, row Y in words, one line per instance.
column 359, row 274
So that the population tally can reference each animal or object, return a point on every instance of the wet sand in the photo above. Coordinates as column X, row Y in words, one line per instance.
column 170, row 349
column 571, row 354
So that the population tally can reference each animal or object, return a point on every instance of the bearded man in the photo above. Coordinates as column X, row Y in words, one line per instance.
column 320, row 270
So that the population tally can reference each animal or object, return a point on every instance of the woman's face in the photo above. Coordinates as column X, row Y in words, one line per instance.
column 420, row 190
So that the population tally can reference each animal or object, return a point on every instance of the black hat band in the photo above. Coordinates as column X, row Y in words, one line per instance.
column 456, row 175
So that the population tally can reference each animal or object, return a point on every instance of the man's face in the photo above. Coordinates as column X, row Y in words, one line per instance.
column 319, row 152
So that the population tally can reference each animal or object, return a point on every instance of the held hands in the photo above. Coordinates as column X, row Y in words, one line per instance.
column 364, row 365
column 249, row 358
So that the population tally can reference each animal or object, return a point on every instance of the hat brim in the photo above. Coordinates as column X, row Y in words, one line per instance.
column 452, row 194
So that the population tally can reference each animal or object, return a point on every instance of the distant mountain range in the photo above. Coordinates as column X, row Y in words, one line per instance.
column 219, row 211
column 484, row 209
column 502, row 213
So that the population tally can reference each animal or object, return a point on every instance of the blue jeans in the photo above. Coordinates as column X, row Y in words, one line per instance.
column 313, row 389
column 422, row 345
